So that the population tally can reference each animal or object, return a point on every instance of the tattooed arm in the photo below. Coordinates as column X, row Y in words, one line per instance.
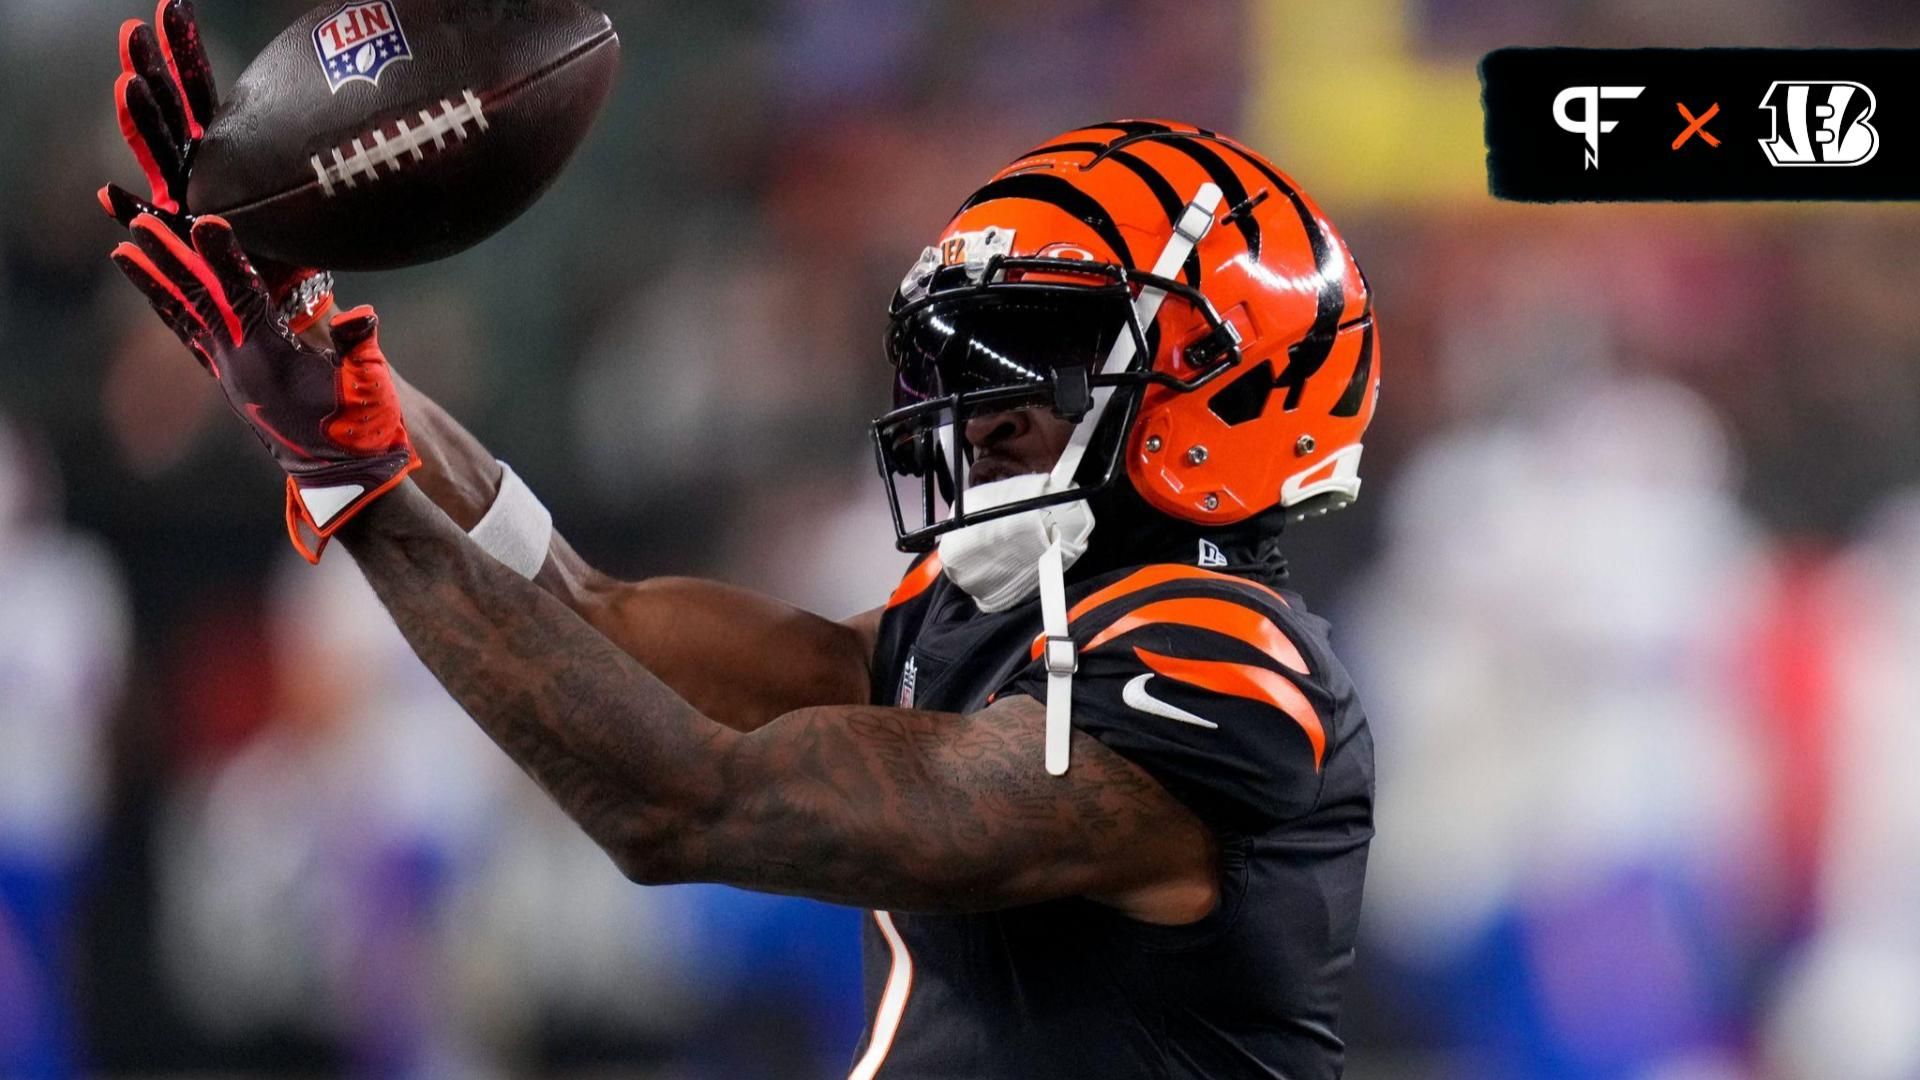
column 742, row 657
column 861, row 805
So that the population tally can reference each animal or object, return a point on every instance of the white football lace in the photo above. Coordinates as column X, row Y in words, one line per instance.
column 347, row 169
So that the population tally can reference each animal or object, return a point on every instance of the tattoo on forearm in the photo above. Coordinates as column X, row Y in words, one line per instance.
column 559, row 698
column 864, row 805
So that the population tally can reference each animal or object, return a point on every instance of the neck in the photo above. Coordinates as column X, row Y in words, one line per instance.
column 1128, row 532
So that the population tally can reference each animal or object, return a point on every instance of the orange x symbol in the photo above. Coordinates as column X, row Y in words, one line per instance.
column 1697, row 125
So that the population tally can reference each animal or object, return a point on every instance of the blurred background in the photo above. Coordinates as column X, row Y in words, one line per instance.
column 1633, row 598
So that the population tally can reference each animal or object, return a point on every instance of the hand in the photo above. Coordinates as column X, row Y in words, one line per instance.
column 331, row 419
column 166, row 97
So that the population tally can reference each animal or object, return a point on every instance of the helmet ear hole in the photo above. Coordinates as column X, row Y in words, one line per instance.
column 1245, row 398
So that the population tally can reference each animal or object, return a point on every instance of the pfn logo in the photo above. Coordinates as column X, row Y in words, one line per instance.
column 1826, row 124
column 1588, row 124
column 359, row 41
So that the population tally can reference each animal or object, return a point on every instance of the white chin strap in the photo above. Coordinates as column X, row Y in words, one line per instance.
column 1000, row 562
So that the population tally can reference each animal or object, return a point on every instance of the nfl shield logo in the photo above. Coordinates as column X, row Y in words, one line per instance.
column 908, row 676
column 359, row 41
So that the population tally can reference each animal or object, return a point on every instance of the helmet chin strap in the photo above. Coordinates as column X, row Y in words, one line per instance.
column 1194, row 224
column 1001, row 562
column 1062, row 656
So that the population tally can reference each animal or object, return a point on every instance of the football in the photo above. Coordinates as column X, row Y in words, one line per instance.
column 378, row 134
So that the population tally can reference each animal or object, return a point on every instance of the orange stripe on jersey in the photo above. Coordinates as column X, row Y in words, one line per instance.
column 918, row 580
column 1158, row 575
column 1146, row 579
column 1247, row 681
column 1219, row 616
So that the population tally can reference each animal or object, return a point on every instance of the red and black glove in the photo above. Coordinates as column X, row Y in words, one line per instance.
column 331, row 419
column 166, row 97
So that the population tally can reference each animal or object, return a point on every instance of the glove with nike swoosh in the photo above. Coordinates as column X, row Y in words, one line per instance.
column 331, row 419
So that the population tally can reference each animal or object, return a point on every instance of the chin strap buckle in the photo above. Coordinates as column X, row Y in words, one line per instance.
column 1196, row 221
column 1063, row 657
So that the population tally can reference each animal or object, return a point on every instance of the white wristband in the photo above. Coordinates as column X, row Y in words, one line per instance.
column 518, row 528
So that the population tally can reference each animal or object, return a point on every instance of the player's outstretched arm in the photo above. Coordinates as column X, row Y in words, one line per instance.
column 861, row 805
column 875, row 806
column 741, row 657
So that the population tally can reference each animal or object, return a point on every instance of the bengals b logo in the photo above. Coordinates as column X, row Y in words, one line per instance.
column 1820, row 123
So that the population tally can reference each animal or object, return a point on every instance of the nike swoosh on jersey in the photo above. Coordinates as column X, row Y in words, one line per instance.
column 1135, row 694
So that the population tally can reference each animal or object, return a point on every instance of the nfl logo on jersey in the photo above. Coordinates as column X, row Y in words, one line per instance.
column 359, row 41
column 908, row 676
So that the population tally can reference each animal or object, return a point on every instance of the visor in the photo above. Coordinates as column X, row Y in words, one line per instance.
column 1029, row 333
column 1004, row 340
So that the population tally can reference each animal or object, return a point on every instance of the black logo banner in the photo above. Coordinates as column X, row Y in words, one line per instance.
column 1684, row 124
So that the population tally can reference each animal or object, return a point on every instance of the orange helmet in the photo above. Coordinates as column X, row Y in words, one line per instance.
column 1162, row 283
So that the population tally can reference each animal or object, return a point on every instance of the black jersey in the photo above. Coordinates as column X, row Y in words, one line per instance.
column 1223, row 688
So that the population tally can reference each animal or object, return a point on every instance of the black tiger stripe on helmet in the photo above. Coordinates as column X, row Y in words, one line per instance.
column 1162, row 189
column 1054, row 191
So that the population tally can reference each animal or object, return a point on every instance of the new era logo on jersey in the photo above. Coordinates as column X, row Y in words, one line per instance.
column 359, row 41
column 1210, row 555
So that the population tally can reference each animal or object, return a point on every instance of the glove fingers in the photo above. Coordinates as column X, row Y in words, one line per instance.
column 166, row 298
column 353, row 329
column 122, row 205
column 140, row 54
column 129, row 62
column 246, row 293
column 187, row 58
column 145, row 129
column 184, row 267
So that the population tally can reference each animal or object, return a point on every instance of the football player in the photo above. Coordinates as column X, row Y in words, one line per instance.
column 1101, row 780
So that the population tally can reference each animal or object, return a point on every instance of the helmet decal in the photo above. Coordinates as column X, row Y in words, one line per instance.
column 973, row 250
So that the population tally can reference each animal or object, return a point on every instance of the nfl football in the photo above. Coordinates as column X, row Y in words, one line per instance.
column 377, row 134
